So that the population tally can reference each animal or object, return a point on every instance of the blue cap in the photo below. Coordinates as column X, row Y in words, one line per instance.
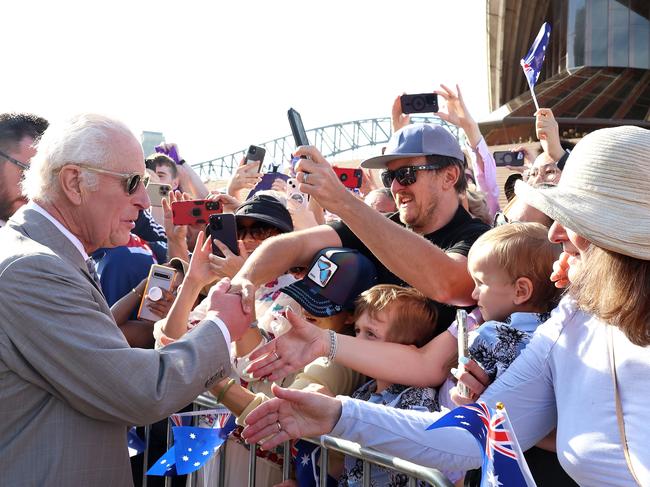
column 335, row 279
column 417, row 140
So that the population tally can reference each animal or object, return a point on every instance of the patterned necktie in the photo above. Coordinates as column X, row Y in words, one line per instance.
column 90, row 265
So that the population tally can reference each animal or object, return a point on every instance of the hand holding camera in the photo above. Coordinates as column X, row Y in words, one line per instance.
column 398, row 117
column 246, row 176
column 317, row 178
column 176, row 234
column 457, row 113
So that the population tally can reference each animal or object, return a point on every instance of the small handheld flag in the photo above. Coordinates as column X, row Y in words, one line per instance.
column 193, row 446
column 532, row 62
column 503, row 460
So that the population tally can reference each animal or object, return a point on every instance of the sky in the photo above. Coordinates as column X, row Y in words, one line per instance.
column 215, row 77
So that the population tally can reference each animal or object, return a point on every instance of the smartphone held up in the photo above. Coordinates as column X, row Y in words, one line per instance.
column 223, row 227
column 420, row 103
column 255, row 156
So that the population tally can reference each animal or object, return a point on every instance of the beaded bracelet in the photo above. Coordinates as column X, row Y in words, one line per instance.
column 333, row 345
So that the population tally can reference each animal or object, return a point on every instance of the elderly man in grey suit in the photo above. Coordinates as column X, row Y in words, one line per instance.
column 69, row 382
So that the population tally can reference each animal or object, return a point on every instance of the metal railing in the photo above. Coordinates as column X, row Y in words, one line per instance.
column 369, row 457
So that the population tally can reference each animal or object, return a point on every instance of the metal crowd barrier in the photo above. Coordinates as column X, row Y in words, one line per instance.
column 369, row 457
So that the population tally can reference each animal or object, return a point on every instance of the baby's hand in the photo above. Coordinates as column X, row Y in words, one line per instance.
column 560, row 275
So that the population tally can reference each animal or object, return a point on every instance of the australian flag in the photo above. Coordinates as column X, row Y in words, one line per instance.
column 503, row 460
column 306, row 457
column 135, row 443
column 193, row 446
column 532, row 62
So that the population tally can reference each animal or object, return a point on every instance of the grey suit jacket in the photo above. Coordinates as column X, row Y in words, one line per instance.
column 69, row 382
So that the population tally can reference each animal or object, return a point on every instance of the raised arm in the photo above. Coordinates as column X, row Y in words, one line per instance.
column 422, row 367
column 441, row 276
column 277, row 255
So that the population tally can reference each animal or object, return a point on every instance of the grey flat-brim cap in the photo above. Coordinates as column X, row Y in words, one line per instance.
column 417, row 140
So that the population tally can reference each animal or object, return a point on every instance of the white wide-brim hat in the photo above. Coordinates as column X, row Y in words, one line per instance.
column 604, row 192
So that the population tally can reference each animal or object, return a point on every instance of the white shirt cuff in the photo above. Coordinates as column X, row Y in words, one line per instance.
column 222, row 326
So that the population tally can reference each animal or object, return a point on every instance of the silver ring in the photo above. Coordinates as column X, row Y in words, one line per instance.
column 304, row 178
column 277, row 357
column 279, row 426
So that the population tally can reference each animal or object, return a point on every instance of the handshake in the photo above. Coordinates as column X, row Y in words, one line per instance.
column 226, row 302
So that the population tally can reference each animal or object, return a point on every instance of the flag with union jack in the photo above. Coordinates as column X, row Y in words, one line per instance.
column 532, row 62
column 503, row 460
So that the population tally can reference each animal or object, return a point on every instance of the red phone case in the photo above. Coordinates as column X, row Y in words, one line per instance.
column 195, row 212
column 351, row 178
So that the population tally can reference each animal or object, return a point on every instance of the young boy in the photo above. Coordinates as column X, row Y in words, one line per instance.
column 510, row 266
column 389, row 313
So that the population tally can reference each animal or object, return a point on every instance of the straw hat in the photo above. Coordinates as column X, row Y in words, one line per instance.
column 604, row 192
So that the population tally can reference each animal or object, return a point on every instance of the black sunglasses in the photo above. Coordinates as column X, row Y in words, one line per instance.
column 405, row 175
column 131, row 180
column 257, row 232
column 21, row 165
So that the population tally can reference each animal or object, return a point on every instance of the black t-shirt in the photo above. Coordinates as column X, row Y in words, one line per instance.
column 457, row 236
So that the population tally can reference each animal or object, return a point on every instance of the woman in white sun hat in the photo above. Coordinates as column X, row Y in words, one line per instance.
column 586, row 371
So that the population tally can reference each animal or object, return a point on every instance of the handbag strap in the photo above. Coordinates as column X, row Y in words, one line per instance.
column 619, row 407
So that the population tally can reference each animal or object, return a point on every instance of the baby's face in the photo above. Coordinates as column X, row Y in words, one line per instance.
column 494, row 290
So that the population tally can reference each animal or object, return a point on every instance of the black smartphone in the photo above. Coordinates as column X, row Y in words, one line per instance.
column 421, row 103
column 255, row 155
column 297, row 128
column 508, row 158
column 223, row 227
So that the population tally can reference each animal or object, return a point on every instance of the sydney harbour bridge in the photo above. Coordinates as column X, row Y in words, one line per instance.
column 330, row 140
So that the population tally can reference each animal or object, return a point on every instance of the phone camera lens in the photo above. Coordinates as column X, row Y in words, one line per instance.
column 418, row 103
column 196, row 211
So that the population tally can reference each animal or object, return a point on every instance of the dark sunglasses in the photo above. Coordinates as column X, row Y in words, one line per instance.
column 405, row 175
column 257, row 232
column 131, row 180
column 21, row 165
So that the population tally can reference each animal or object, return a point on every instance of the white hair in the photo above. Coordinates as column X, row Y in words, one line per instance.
column 87, row 139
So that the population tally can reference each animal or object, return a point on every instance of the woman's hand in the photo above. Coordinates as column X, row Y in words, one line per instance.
column 228, row 203
column 162, row 306
column 458, row 114
column 291, row 414
column 301, row 345
column 229, row 264
column 201, row 270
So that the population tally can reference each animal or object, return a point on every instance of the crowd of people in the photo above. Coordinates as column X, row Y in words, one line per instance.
column 335, row 312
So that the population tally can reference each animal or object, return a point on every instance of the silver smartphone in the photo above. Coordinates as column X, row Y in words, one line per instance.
column 463, row 345
column 161, row 277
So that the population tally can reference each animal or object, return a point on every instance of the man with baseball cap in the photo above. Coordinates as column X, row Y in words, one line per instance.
column 423, row 167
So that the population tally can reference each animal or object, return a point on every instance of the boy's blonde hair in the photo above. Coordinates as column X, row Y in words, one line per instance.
column 524, row 250
column 412, row 317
